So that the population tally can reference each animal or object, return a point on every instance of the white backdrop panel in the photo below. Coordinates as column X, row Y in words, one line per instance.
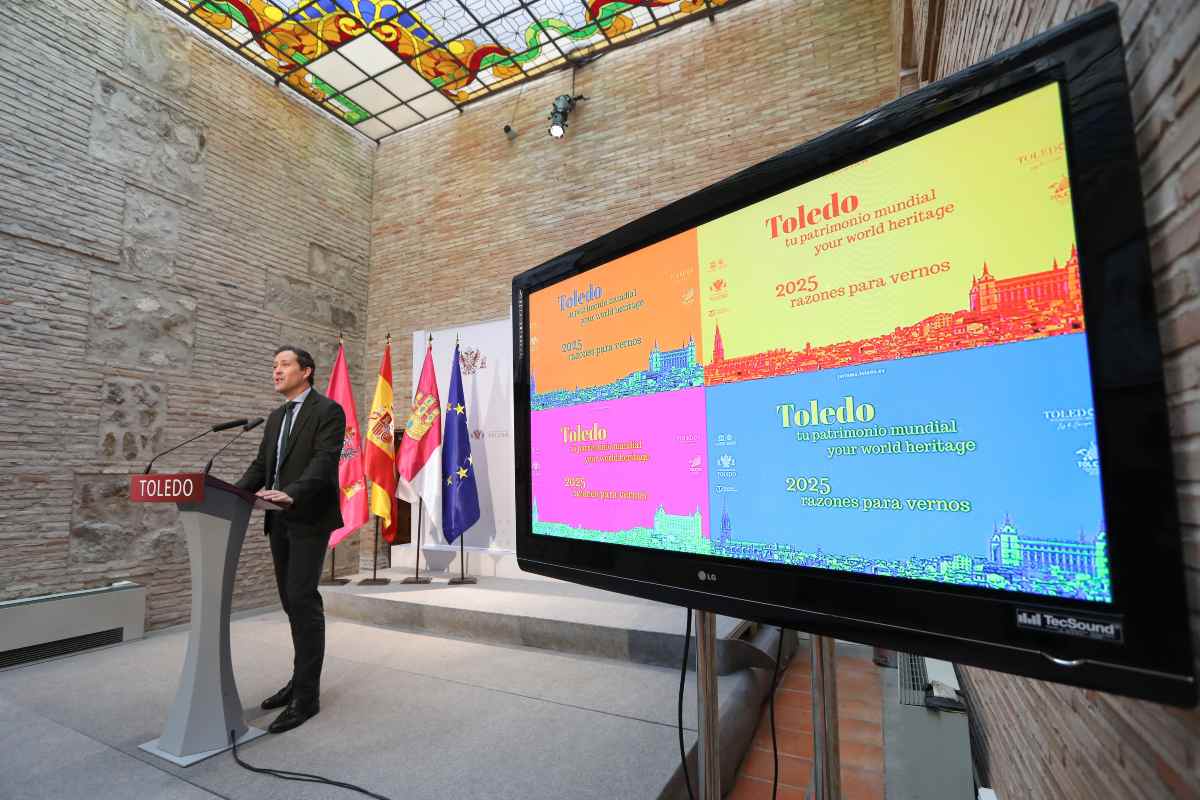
column 487, row 373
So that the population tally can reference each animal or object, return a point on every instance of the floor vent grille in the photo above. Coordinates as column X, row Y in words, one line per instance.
column 60, row 647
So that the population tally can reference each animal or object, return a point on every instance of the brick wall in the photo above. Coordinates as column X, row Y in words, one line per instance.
column 459, row 210
column 1042, row 740
column 166, row 217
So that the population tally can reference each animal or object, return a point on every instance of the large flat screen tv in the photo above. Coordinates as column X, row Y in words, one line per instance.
column 901, row 384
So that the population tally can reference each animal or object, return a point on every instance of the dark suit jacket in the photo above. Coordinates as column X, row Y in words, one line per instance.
column 309, row 469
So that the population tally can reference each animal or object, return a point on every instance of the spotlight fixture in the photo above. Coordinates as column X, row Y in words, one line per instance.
column 510, row 132
column 564, row 104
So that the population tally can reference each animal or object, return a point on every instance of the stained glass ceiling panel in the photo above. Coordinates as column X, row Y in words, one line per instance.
column 404, row 83
column 384, row 66
column 369, row 54
column 337, row 71
column 373, row 97
column 401, row 118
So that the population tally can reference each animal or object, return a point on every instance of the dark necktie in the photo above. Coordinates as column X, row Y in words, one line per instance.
column 287, row 431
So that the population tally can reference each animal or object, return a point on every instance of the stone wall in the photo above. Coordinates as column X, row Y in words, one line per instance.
column 167, row 216
column 1043, row 740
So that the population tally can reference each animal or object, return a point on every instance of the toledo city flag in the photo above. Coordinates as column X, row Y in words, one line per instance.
column 380, row 445
column 420, row 457
column 460, row 495
column 353, row 498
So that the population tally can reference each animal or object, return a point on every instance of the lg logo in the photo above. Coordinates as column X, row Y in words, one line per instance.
column 706, row 576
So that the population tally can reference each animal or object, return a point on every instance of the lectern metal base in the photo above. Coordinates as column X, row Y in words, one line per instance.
column 412, row 579
column 151, row 747
column 207, row 705
column 461, row 581
column 334, row 581
column 374, row 581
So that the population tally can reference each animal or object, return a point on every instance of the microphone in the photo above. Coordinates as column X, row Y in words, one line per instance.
column 224, row 426
column 246, row 426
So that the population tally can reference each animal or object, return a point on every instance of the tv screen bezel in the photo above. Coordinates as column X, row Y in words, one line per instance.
column 971, row 625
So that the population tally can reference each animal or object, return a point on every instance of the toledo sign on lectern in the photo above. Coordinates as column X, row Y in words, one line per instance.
column 207, row 707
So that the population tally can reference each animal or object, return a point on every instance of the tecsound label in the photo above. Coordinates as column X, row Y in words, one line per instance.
column 1069, row 625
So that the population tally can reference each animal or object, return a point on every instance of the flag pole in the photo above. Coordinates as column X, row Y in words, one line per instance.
column 463, row 577
column 333, row 580
column 375, row 580
column 342, row 394
column 375, row 478
column 420, row 528
column 416, row 577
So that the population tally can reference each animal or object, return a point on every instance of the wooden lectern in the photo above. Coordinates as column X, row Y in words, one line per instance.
column 207, row 707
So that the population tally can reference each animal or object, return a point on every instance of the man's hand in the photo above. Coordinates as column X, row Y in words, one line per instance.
column 275, row 496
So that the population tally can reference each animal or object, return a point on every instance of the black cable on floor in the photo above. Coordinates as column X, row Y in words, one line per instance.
column 774, row 687
column 302, row 777
column 687, row 644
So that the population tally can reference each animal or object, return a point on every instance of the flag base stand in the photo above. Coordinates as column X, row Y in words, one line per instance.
column 331, row 580
column 463, row 578
column 375, row 580
column 418, row 578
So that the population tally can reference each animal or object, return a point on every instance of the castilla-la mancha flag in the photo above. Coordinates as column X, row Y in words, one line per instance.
column 353, row 498
column 420, row 459
column 380, row 446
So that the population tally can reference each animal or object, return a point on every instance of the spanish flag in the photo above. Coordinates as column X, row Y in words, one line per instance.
column 380, row 444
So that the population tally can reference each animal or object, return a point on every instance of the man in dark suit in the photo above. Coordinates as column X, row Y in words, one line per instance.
column 297, row 468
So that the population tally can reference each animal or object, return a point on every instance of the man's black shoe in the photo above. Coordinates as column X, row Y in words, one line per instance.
column 295, row 715
column 279, row 699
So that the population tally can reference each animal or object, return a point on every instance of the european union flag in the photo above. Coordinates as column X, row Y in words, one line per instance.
column 460, row 495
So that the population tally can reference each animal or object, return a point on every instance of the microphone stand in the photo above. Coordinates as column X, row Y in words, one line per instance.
column 224, row 426
column 249, row 426
column 176, row 447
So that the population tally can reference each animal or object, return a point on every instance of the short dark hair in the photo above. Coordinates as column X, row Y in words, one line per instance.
column 303, row 358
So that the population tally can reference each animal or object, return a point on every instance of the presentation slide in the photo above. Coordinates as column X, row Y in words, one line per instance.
column 962, row 238
column 876, row 471
column 630, row 471
column 882, row 371
column 629, row 329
